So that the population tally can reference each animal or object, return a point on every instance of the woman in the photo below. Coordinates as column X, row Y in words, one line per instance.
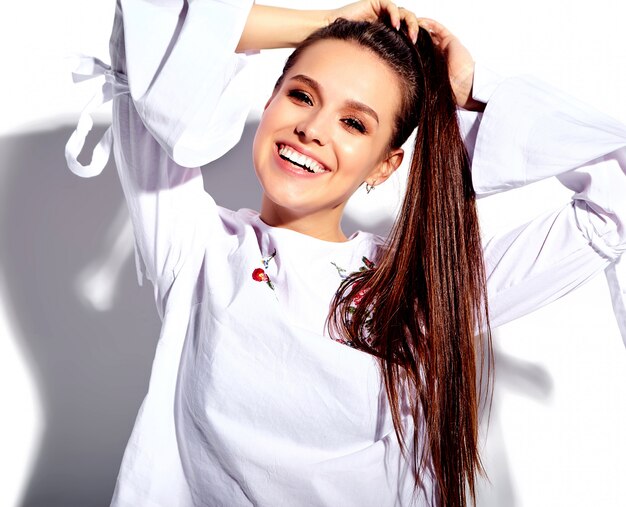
column 297, row 366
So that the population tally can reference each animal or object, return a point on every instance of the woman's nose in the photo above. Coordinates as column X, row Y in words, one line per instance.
column 313, row 128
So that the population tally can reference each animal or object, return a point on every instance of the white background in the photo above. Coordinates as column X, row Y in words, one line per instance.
column 74, row 366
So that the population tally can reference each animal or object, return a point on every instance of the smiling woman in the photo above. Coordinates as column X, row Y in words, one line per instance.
column 324, row 110
column 298, row 366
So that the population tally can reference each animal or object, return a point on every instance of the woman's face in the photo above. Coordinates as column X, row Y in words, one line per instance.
column 326, row 130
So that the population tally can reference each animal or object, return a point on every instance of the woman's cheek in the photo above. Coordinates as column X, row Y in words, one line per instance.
column 355, row 157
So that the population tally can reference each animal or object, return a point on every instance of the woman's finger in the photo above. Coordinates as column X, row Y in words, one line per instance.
column 393, row 11
column 411, row 22
column 439, row 33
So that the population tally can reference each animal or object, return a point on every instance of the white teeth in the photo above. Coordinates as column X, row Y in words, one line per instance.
column 298, row 158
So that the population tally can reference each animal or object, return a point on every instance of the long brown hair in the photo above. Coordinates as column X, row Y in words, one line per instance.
column 421, row 307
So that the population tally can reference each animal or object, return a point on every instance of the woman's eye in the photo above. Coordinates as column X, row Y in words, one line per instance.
column 355, row 124
column 300, row 96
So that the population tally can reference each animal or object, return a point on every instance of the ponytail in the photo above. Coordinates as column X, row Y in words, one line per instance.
column 424, row 302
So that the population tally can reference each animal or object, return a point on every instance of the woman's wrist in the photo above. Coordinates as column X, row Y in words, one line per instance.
column 276, row 27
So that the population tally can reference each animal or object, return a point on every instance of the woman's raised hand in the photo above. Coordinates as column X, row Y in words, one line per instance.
column 371, row 10
column 460, row 63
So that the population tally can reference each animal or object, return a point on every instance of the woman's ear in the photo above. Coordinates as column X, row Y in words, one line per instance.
column 387, row 166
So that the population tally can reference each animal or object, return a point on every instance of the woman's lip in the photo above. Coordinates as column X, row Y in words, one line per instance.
column 304, row 152
column 293, row 169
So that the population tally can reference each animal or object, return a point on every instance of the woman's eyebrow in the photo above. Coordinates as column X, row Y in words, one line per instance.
column 352, row 104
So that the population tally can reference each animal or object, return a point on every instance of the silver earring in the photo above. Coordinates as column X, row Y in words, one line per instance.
column 369, row 188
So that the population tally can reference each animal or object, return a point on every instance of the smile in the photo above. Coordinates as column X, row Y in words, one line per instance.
column 296, row 158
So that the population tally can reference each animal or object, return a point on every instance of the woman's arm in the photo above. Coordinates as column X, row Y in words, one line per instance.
column 276, row 27
column 531, row 131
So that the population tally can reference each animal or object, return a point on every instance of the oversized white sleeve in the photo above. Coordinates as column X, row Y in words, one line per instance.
column 185, row 78
column 530, row 131
column 180, row 100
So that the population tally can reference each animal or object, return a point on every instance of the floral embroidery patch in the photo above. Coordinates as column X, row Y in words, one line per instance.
column 343, row 274
column 356, row 300
column 259, row 274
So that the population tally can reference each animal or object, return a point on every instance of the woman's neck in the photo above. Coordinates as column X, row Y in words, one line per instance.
column 323, row 224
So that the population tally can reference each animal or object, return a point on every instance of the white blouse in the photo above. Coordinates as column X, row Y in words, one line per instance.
column 250, row 402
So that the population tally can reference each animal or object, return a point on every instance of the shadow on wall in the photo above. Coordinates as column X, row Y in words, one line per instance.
column 63, row 239
column 88, row 333
column 511, row 375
